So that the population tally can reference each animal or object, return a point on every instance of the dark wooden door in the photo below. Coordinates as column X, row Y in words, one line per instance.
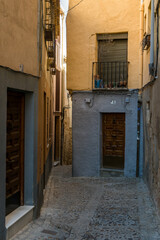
column 113, row 126
column 14, row 151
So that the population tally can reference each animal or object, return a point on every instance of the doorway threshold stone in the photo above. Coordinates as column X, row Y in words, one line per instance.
column 107, row 172
column 16, row 220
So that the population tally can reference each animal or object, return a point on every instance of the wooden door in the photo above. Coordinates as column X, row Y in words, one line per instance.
column 15, row 151
column 113, row 126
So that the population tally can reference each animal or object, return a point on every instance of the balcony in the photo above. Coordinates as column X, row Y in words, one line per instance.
column 48, row 21
column 48, row 31
column 146, row 42
column 50, row 49
column 109, row 75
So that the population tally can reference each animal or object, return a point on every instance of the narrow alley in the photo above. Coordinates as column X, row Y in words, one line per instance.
column 80, row 120
column 93, row 208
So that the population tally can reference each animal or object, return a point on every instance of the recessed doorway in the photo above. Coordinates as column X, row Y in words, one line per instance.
column 15, row 151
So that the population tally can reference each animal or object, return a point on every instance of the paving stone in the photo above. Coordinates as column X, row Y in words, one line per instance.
column 94, row 209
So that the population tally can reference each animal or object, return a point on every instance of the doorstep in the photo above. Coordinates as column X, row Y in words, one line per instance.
column 107, row 172
column 16, row 220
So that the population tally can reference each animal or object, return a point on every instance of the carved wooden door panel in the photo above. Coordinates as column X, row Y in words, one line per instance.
column 113, row 127
column 15, row 150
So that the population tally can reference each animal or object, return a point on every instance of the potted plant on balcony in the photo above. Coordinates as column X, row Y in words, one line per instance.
column 98, row 82
column 110, row 85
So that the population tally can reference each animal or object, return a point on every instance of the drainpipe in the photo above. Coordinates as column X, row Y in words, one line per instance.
column 151, row 65
column 141, row 38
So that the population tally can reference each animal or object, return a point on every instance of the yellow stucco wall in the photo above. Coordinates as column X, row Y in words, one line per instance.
column 18, row 45
column 45, row 86
column 100, row 16
column 18, row 34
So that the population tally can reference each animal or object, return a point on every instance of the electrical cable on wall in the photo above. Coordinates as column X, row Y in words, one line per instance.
column 75, row 6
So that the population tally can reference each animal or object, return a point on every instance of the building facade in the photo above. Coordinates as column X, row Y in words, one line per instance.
column 103, row 77
column 150, row 97
column 28, row 75
column 48, row 92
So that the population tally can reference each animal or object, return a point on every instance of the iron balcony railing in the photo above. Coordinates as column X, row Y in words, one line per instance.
column 110, row 75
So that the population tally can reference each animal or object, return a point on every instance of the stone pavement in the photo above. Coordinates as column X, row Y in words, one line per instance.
column 93, row 209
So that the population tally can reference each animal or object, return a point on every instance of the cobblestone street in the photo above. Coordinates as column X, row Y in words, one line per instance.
column 93, row 208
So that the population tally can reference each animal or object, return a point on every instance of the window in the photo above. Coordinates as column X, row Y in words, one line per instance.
column 111, row 70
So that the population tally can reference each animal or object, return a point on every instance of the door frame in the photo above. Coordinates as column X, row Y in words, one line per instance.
column 30, row 144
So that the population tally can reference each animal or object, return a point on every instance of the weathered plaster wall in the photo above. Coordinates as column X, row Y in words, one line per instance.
column 19, row 45
column 46, row 84
column 18, row 31
column 45, row 146
column 87, row 143
column 151, row 118
column 88, row 19
column 152, row 139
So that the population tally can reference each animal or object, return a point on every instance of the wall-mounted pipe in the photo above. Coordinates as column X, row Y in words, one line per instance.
column 151, row 65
